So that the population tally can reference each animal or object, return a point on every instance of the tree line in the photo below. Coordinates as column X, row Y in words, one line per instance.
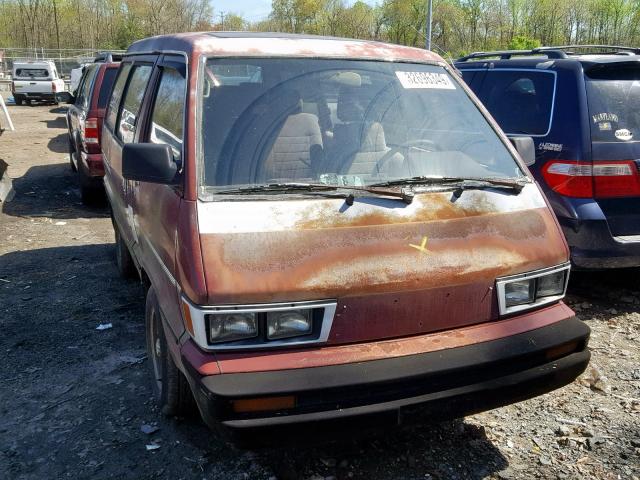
column 459, row 26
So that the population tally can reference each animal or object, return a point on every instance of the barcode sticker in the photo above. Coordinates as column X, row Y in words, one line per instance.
column 425, row 80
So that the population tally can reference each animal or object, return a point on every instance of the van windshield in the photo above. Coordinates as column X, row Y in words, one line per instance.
column 341, row 122
column 614, row 103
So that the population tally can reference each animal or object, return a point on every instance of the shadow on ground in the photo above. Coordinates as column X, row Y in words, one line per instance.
column 59, row 144
column 51, row 191
column 58, row 122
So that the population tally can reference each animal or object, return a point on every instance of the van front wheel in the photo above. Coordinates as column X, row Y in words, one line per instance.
column 170, row 387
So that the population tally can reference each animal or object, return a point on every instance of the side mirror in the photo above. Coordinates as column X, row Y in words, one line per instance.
column 526, row 148
column 65, row 97
column 149, row 162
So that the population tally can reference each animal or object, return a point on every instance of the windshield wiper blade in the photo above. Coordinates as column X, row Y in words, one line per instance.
column 457, row 182
column 276, row 188
column 480, row 184
column 405, row 195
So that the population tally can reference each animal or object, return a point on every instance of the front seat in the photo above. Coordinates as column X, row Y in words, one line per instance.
column 295, row 150
column 359, row 145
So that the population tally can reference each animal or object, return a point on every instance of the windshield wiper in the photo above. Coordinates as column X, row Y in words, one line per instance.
column 405, row 195
column 459, row 184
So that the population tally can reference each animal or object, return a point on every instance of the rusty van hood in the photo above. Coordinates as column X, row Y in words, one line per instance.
column 379, row 253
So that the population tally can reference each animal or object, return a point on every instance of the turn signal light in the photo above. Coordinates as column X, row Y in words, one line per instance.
column 246, row 405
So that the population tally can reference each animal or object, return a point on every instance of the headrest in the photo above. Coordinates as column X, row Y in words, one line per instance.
column 373, row 139
column 349, row 107
column 290, row 100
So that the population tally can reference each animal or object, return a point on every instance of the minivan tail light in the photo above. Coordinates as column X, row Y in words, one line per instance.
column 604, row 179
column 569, row 178
column 91, row 131
column 54, row 88
column 616, row 179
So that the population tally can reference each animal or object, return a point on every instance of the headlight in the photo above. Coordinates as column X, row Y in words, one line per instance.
column 228, row 327
column 532, row 289
column 519, row 292
column 258, row 326
column 286, row 324
column 552, row 284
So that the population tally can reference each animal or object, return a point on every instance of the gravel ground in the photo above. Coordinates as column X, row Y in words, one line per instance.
column 74, row 399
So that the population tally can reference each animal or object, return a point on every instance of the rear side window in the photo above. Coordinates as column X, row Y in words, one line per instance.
column 114, row 102
column 167, row 117
column 105, row 89
column 130, row 108
column 84, row 90
column 613, row 94
column 520, row 101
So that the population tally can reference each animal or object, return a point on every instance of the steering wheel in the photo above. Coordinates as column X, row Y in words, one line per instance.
column 403, row 149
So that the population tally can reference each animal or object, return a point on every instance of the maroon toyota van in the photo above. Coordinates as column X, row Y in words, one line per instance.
column 330, row 229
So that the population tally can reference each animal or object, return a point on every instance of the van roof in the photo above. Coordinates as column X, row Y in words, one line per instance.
column 251, row 44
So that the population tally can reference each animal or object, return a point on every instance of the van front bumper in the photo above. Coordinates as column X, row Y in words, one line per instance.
column 441, row 384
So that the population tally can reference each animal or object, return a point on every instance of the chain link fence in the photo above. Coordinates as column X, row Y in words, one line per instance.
column 64, row 58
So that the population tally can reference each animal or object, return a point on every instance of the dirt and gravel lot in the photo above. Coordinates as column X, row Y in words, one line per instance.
column 74, row 399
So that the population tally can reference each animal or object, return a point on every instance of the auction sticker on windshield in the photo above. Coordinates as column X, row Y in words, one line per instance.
column 425, row 80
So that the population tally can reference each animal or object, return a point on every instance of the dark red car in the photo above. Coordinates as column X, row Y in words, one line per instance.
column 84, row 120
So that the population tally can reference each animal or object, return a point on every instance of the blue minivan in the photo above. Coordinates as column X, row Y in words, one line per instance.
column 581, row 106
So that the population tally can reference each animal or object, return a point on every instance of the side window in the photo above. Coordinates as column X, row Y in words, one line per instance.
column 167, row 117
column 114, row 103
column 520, row 101
column 84, row 90
column 105, row 89
column 134, row 93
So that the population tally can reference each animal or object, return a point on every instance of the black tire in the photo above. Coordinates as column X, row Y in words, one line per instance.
column 28, row 102
column 170, row 387
column 124, row 261
column 91, row 190
column 18, row 101
column 91, row 195
column 72, row 151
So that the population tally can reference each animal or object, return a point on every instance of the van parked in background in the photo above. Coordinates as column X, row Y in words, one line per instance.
column 36, row 80
column 581, row 104
column 84, row 122
column 330, row 230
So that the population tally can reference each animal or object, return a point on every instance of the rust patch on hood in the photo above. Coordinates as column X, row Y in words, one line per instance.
column 430, row 268
column 333, row 261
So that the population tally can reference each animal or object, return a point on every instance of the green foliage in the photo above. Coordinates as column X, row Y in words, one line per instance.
column 458, row 25
column 522, row 42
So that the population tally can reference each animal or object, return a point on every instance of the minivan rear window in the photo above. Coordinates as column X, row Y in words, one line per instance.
column 344, row 122
column 520, row 100
column 613, row 94
column 107, row 84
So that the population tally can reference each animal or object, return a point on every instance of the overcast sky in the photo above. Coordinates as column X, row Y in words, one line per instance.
column 253, row 9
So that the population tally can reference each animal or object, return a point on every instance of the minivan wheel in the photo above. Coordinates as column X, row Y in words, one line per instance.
column 124, row 261
column 18, row 101
column 170, row 387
